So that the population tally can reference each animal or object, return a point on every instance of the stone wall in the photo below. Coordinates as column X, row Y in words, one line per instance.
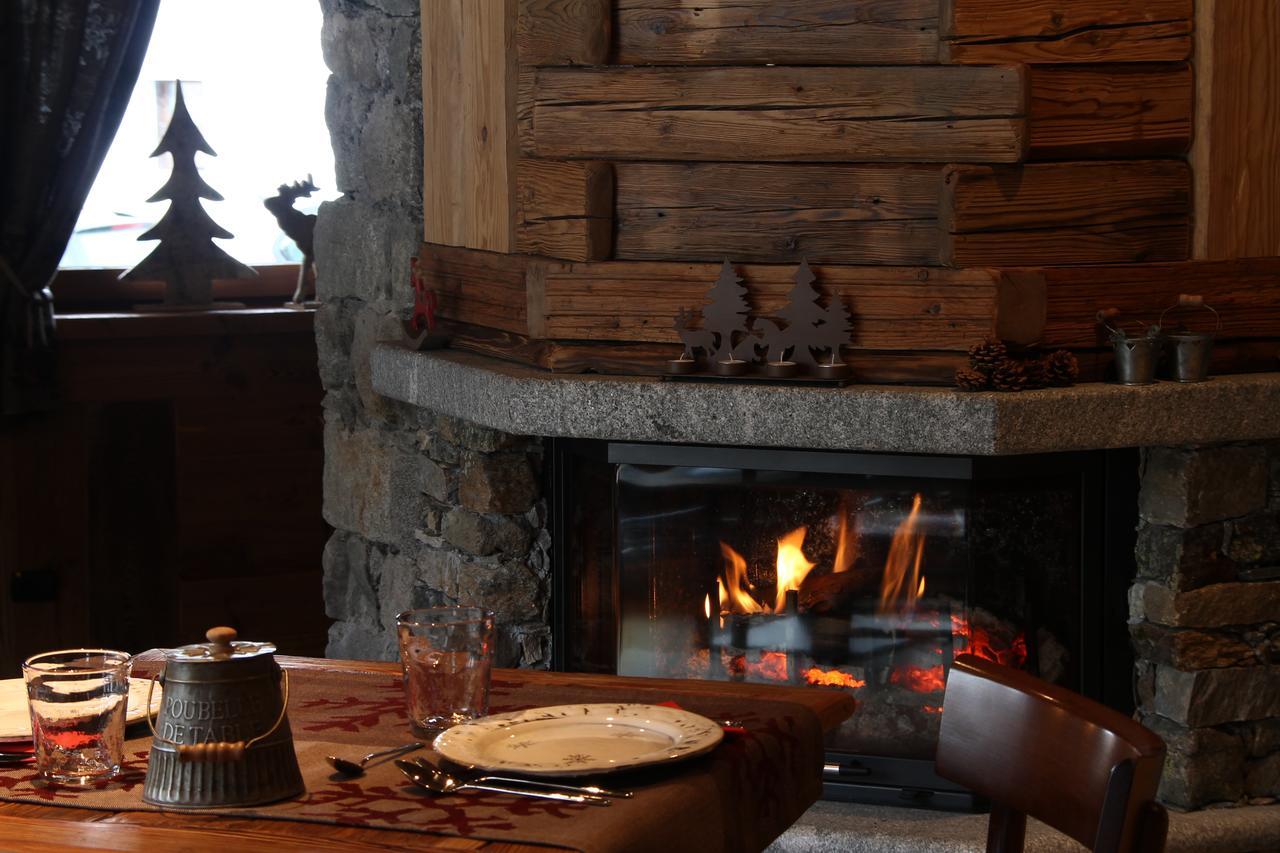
column 1207, row 638
column 426, row 509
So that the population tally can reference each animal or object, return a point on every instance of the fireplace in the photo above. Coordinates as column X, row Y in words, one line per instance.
column 846, row 571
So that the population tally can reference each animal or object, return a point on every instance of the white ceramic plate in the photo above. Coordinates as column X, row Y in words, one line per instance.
column 15, row 719
column 578, row 740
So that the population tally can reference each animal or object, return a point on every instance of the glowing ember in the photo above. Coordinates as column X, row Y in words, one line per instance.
column 772, row 666
column 920, row 679
column 976, row 640
column 832, row 678
column 931, row 709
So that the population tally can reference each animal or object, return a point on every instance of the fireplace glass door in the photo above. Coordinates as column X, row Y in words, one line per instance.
column 866, row 574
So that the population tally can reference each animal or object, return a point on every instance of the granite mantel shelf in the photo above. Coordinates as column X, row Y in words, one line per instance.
column 881, row 418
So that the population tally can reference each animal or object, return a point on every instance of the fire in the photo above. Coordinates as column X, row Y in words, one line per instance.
column 931, row 709
column 920, row 679
column 792, row 567
column 902, row 584
column 735, row 588
column 846, row 545
column 832, row 678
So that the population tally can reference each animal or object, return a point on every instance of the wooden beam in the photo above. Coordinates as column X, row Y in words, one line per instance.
column 893, row 307
column 485, row 288
column 873, row 114
column 1237, row 150
column 1045, row 31
column 1067, row 213
column 782, row 32
column 778, row 212
column 1089, row 111
column 564, row 32
column 914, row 367
column 1246, row 293
column 564, row 209
column 468, row 104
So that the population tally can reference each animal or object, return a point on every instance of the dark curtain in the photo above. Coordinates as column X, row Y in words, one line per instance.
column 67, row 71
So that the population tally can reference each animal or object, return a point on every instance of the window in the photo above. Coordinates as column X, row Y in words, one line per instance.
column 254, row 82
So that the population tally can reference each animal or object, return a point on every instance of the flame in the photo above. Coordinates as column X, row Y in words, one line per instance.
column 846, row 545
column 832, row 678
column 706, row 604
column 792, row 566
column 735, row 588
column 902, row 584
column 931, row 709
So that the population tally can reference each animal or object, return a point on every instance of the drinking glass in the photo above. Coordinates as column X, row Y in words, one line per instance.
column 446, row 654
column 78, row 700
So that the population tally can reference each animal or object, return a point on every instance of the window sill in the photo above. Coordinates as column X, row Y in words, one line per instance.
column 99, row 291
column 269, row 320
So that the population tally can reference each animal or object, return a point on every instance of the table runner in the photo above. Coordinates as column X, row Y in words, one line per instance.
column 740, row 797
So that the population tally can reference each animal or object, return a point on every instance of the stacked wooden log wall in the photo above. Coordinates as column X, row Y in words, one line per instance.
column 953, row 169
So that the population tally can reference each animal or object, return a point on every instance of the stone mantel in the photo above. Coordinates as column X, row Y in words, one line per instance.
column 882, row 418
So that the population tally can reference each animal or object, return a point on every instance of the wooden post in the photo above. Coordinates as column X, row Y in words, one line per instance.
column 1236, row 155
column 468, row 106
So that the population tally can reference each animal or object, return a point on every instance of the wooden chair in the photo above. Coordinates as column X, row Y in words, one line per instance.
column 1036, row 749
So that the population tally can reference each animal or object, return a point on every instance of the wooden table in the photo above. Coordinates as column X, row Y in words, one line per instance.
column 52, row 829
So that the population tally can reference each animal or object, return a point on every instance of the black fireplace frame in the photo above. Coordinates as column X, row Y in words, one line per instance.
column 1108, row 485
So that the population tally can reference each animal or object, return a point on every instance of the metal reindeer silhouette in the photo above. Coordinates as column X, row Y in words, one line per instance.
column 300, row 228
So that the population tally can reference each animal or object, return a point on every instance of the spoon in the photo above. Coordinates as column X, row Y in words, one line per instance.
column 356, row 768
column 439, row 782
column 537, row 783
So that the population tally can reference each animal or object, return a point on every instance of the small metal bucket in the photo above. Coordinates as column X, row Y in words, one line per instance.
column 1136, row 355
column 1191, row 351
column 1136, row 358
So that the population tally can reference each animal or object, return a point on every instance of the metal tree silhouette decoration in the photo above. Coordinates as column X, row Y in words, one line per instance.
column 728, row 317
column 187, row 260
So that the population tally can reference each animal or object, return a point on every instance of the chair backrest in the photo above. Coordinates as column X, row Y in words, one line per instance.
column 1036, row 749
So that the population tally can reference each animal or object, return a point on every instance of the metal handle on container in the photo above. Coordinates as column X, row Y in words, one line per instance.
column 217, row 752
column 1193, row 300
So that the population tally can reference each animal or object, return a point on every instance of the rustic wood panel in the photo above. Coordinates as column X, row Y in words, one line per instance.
column 928, row 114
column 1043, row 31
column 1237, row 151
column 1078, row 112
column 1245, row 292
column 468, row 96
column 483, row 288
column 767, row 212
column 784, row 32
column 1067, row 213
column 564, row 209
column 564, row 32
column 893, row 307
column 925, row 367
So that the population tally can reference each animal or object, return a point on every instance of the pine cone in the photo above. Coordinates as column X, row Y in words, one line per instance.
column 987, row 355
column 1009, row 375
column 1061, row 368
column 1037, row 373
column 972, row 380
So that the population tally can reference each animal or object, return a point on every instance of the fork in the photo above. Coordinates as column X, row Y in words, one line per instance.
column 535, row 783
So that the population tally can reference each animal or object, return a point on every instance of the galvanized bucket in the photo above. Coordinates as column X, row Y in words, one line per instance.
column 1191, row 351
column 1136, row 355
column 222, row 737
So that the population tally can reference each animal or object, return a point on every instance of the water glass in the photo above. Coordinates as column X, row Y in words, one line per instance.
column 446, row 654
column 78, row 700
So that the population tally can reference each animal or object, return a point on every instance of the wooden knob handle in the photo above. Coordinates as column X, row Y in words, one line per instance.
column 221, row 637
column 1108, row 313
column 1190, row 300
